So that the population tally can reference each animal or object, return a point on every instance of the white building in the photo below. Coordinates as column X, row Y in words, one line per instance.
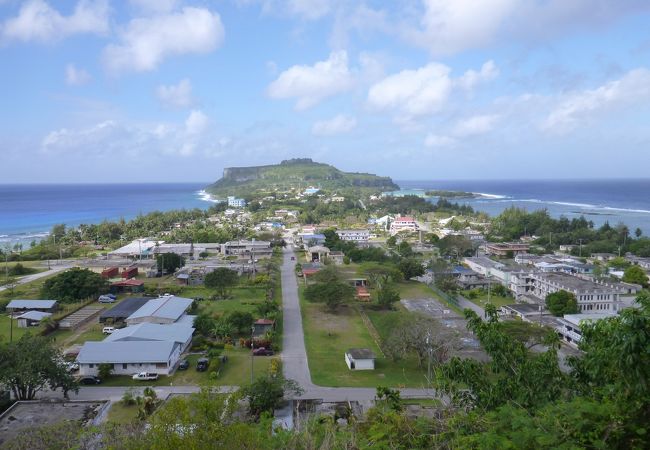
column 360, row 359
column 235, row 202
column 592, row 297
column 129, row 357
column 180, row 333
column 360, row 236
column 403, row 223
column 569, row 325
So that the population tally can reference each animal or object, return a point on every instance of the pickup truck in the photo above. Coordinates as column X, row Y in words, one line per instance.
column 145, row 376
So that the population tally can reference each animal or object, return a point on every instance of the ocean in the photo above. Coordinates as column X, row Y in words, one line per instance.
column 600, row 201
column 28, row 212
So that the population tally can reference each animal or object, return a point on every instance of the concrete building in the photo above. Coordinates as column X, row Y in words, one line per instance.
column 506, row 248
column 360, row 359
column 403, row 223
column 234, row 202
column 569, row 326
column 129, row 357
column 358, row 236
column 592, row 297
column 245, row 248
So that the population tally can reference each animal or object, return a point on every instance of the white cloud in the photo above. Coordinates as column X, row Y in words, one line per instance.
column 413, row 92
column 572, row 108
column 309, row 9
column 448, row 27
column 154, row 5
column 146, row 42
column 312, row 84
column 176, row 95
column 475, row 125
column 336, row 125
column 196, row 122
column 439, row 141
column 75, row 76
column 38, row 21
column 470, row 79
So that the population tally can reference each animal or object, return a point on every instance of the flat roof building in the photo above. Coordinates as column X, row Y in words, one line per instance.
column 162, row 310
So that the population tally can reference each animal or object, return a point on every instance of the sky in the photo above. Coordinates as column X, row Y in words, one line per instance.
column 174, row 90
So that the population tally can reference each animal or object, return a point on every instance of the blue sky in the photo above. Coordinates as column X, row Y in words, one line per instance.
column 172, row 90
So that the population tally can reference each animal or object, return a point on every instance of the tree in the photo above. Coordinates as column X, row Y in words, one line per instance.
column 105, row 370
column 404, row 249
column 410, row 268
column 169, row 262
column 386, row 295
column 31, row 364
column 420, row 336
column 380, row 273
column 561, row 302
column 73, row 285
column 203, row 324
column 638, row 232
column 636, row 275
column 266, row 393
column 391, row 241
column 221, row 279
column 333, row 293
column 241, row 321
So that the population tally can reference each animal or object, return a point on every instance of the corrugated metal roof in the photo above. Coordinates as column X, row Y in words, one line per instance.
column 34, row 315
column 27, row 304
column 126, row 352
column 168, row 307
column 180, row 333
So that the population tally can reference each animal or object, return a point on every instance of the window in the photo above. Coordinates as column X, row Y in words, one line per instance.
column 125, row 366
column 91, row 366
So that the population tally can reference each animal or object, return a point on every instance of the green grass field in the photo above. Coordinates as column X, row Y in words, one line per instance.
column 496, row 300
column 328, row 336
column 122, row 414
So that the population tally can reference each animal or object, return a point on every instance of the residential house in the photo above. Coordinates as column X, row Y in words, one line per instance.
column 31, row 318
column 358, row 236
column 507, row 248
column 129, row 357
column 336, row 257
column 235, row 202
column 317, row 253
column 179, row 333
column 262, row 326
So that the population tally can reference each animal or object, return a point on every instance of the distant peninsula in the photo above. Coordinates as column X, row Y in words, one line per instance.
column 451, row 194
column 298, row 173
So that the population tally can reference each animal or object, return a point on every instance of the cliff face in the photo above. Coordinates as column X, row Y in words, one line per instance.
column 293, row 173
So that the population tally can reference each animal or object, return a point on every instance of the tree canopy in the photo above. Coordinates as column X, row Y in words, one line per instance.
column 636, row 275
column 73, row 285
column 221, row 280
column 561, row 302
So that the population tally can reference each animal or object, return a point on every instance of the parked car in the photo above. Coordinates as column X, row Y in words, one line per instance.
column 71, row 366
column 108, row 330
column 293, row 258
column 107, row 298
column 145, row 376
column 263, row 352
column 202, row 364
column 89, row 379
column 184, row 365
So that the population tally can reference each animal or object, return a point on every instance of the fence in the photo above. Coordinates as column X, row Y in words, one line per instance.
column 446, row 297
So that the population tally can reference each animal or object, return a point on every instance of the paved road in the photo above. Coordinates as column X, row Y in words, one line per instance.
column 36, row 276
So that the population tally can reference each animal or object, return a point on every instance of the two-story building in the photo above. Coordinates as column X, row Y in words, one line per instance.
column 403, row 223
column 358, row 236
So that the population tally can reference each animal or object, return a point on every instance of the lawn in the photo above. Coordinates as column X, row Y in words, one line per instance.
column 328, row 335
column 242, row 299
column 32, row 266
column 496, row 300
column 122, row 414
column 235, row 372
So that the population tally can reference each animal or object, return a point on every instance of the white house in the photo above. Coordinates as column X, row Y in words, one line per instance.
column 360, row 359
column 360, row 236
column 235, row 202
column 129, row 357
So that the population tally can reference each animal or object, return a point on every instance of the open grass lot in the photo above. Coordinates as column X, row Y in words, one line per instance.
column 122, row 414
column 32, row 266
column 242, row 299
column 235, row 372
column 496, row 300
column 328, row 335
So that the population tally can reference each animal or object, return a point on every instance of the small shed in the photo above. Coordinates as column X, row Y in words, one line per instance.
column 360, row 359
column 262, row 326
column 31, row 318
column 110, row 272
column 362, row 294
column 131, row 285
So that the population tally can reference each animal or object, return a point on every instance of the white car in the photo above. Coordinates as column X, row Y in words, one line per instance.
column 145, row 376
column 108, row 330
column 106, row 299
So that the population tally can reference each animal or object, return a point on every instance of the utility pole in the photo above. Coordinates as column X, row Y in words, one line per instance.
column 252, row 355
column 428, row 342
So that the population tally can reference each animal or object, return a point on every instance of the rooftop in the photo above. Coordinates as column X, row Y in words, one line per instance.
column 570, row 282
column 31, row 304
column 125, row 352
column 168, row 307
column 34, row 315
column 126, row 307
column 485, row 262
column 361, row 353
column 576, row 319
column 174, row 332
